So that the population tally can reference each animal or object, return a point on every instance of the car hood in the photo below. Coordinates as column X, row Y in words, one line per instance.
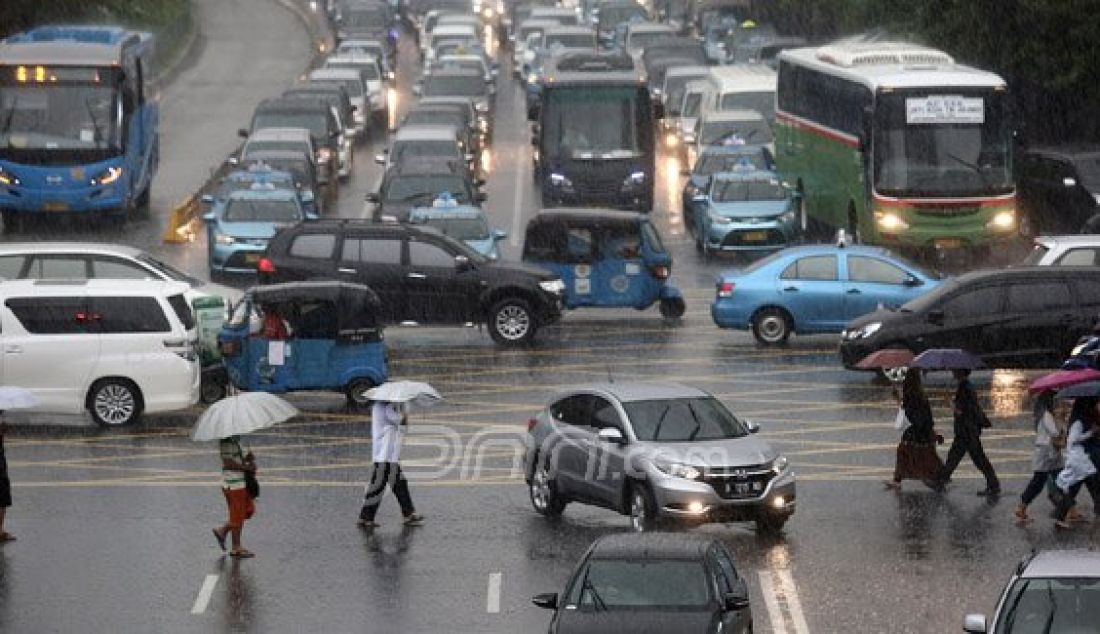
column 251, row 229
column 750, row 208
column 884, row 315
column 733, row 452
column 634, row 622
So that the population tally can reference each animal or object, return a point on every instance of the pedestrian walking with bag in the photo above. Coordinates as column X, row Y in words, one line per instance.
column 5, row 486
column 1079, row 468
column 916, row 453
column 970, row 420
column 1046, row 458
column 239, row 486
column 388, row 424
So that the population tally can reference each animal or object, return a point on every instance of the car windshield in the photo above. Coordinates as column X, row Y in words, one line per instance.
column 365, row 17
column 369, row 69
column 263, row 145
column 455, row 85
column 420, row 149
column 297, row 168
column 754, row 132
column 649, row 584
column 928, row 300
column 691, row 104
column 426, row 188
column 1043, row 606
column 1036, row 255
column 461, row 228
column 683, row 419
column 453, row 119
column 612, row 16
column 762, row 102
column 256, row 210
column 674, row 91
column 745, row 190
column 713, row 163
column 640, row 40
column 315, row 122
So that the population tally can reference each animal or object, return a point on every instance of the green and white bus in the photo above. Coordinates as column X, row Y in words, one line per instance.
column 897, row 144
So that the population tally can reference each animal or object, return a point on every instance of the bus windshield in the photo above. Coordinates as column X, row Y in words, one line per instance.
column 60, row 116
column 948, row 142
column 590, row 122
column 726, row 191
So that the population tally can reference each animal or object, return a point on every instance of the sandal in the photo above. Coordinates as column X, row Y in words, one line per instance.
column 220, row 538
column 7, row 537
column 242, row 554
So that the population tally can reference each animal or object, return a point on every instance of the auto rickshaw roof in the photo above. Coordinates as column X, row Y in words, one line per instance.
column 357, row 305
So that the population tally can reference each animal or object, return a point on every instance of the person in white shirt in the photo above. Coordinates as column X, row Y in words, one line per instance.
column 388, row 423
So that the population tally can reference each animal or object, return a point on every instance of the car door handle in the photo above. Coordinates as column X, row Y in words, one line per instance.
column 417, row 276
column 344, row 269
column 791, row 288
column 854, row 291
column 13, row 349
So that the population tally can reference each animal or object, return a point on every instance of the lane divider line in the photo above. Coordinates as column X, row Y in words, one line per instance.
column 205, row 592
column 492, row 596
column 794, row 604
column 779, row 624
column 781, row 600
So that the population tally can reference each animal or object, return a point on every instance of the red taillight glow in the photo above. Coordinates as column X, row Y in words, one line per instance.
column 725, row 289
column 660, row 272
column 531, row 422
column 265, row 266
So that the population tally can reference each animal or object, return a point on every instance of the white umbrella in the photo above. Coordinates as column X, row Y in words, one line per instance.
column 13, row 397
column 241, row 414
column 412, row 392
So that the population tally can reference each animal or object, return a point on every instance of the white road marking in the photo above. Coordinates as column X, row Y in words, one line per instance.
column 492, row 598
column 781, row 599
column 205, row 592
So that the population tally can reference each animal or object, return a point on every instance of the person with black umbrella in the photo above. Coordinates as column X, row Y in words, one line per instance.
column 970, row 419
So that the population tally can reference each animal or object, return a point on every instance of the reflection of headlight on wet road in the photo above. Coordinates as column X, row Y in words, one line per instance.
column 671, row 139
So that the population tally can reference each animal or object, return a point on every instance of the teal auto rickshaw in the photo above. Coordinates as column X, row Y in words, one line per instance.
column 605, row 258
column 305, row 336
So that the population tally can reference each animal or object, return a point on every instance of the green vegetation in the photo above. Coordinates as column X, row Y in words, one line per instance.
column 1045, row 49
column 168, row 19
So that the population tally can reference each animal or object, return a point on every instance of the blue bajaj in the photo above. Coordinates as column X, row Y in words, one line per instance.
column 306, row 336
column 605, row 257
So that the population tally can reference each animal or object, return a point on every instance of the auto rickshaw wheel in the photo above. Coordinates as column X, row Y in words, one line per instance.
column 354, row 393
column 672, row 307
column 213, row 390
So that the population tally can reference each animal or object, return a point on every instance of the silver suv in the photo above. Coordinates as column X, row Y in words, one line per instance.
column 1072, row 250
column 656, row 452
column 1052, row 591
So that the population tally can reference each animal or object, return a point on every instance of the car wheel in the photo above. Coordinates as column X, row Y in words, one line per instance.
column 354, row 393
column 211, row 391
column 771, row 524
column 544, row 491
column 672, row 308
column 511, row 322
column 114, row 402
column 894, row 375
column 643, row 511
column 771, row 327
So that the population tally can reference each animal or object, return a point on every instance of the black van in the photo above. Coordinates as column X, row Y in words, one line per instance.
column 420, row 275
column 314, row 115
column 1027, row 317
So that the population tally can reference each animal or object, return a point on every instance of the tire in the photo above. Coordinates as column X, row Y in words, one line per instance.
column 642, row 508
column 893, row 375
column 212, row 391
column 543, row 491
column 114, row 402
column 511, row 322
column 354, row 393
column 771, row 524
column 672, row 308
column 771, row 326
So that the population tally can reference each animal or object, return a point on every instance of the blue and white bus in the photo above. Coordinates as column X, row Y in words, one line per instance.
column 78, row 122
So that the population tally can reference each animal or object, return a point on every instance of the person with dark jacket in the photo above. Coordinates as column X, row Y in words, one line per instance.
column 916, row 454
column 969, row 422
column 5, row 487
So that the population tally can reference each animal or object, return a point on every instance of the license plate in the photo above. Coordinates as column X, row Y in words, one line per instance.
column 251, row 258
column 55, row 206
column 754, row 236
column 948, row 243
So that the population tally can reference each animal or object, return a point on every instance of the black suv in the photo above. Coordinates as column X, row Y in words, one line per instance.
column 1026, row 317
column 420, row 275
column 1058, row 189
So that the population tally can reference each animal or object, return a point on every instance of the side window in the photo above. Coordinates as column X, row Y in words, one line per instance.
column 11, row 266
column 544, row 242
column 725, row 564
column 317, row 246
column 1080, row 257
column 974, row 302
column 372, row 251
column 604, row 414
column 128, row 314
column 722, row 579
column 578, row 245
column 814, row 268
column 429, row 255
column 864, row 269
column 571, row 410
column 58, row 268
column 116, row 269
column 50, row 315
column 183, row 310
column 1035, row 297
column 1088, row 292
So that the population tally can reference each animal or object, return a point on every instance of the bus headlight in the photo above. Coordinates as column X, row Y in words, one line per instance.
column 890, row 222
column 107, row 176
column 7, row 178
column 1002, row 221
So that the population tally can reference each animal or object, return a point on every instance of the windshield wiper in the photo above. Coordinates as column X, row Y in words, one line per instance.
column 597, row 600
column 1053, row 608
column 9, row 117
column 661, row 421
column 974, row 167
column 1010, row 616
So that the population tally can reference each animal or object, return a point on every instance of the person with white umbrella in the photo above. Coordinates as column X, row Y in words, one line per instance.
column 389, row 420
column 11, row 397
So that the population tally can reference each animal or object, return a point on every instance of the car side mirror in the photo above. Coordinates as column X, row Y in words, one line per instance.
column 1069, row 181
column 481, row 197
column 208, row 217
column 935, row 316
column 699, row 198
column 353, row 108
column 913, row 280
column 462, row 263
column 611, row 435
column 380, row 159
column 975, row 624
column 733, row 601
column 752, row 427
column 499, row 235
column 547, row 601
column 242, row 132
column 207, row 199
column 372, row 197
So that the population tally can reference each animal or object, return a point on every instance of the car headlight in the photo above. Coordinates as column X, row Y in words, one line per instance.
column 483, row 125
column 779, row 465
column 556, row 287
column 865, row 331
column 7, row 178
column 107, row 176
column 224, row 239
column 890, row 222
column 787, row 216
column 1097, row 197
column 1002, row 220
column 719, row 219
column 680, row 470
column 559, row 180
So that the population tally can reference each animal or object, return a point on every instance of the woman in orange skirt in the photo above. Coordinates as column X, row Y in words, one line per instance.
column 916, row 454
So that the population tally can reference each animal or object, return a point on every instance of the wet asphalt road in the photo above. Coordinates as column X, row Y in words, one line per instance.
column 113, row 525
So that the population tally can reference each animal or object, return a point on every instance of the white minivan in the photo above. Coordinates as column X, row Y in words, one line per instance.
column 113, row 348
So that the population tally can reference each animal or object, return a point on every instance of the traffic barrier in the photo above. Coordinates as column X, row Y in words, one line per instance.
column 181, row 223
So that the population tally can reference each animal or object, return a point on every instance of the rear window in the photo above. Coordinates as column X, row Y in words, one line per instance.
column 317, row 246
column 183, row 310
column 128, row 314
column 50, row 315
column 11, row 266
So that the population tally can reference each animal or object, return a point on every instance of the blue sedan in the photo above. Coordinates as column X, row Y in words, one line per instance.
column 720, row 158
column 746, row 210
column 814, row 289
column 240, row 224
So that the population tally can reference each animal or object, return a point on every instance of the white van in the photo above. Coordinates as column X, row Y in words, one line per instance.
column 113, row 348
column 742, row 87
column 691, row 105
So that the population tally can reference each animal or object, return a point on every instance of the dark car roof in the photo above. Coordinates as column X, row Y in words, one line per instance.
column 293, row 104
column 1019, row 272
column 1068, row 151
column 651, row 546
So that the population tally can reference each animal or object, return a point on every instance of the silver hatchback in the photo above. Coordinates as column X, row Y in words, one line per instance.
column 658, row 452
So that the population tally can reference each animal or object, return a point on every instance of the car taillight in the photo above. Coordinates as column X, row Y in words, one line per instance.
column 725, row 289
column 531, row 422
column 265, row 265
column 660, row 272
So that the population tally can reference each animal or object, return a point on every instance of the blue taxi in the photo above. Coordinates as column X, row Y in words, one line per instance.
column 814, row 289
column 242, row 221
column 465, row 223
column 744, row 210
